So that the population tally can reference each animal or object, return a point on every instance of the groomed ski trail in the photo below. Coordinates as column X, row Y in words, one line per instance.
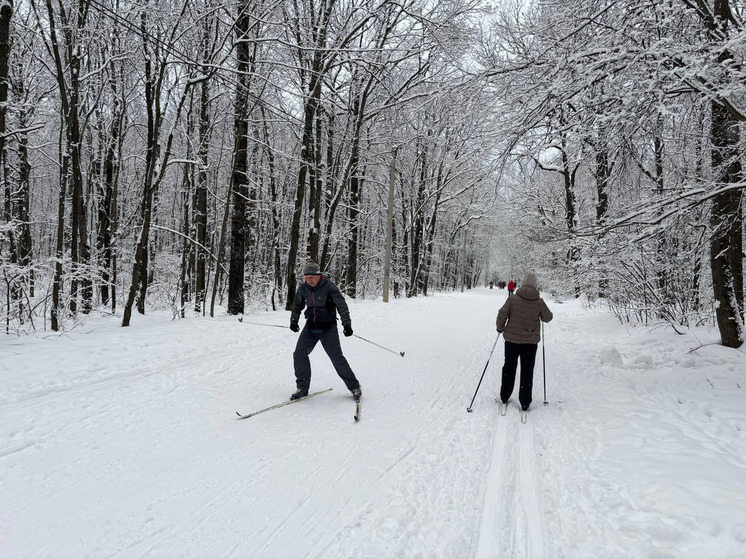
column 124, row 443
column 512, row 523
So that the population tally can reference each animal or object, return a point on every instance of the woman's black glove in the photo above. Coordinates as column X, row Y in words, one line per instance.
column 294, row 326
column 347, row 330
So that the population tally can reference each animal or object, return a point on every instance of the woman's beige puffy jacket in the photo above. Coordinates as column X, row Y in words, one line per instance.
column 519, row 317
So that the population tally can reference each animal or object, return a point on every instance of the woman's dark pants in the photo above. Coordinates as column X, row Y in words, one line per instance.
column 527, row 354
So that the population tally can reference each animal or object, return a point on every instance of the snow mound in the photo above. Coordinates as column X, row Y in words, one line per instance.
column 642, row 361
column 610, row 357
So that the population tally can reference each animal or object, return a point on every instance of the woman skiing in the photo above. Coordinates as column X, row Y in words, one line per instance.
column 519, row 321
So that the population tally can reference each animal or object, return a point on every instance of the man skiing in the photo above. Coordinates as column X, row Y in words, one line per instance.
column 322, row 300
column 518, row 320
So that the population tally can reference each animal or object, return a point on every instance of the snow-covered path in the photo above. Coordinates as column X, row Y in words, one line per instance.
column 124, row 442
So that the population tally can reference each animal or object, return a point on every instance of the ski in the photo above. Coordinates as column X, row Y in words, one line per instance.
column 246, row 416
column 524, row 416
column 357, row 409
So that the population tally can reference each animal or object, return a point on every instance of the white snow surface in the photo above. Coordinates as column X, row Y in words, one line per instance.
column 124, row 442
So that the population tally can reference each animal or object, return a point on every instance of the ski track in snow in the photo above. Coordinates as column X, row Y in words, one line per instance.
column 512, row 522
column 531, row 503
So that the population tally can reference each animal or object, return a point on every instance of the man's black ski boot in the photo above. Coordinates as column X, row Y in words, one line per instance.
column 300, row 393
column 356, row 392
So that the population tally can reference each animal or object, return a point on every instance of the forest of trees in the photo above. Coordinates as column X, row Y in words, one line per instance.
column 189, row 155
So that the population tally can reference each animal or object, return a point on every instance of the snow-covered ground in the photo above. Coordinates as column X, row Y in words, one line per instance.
column 125, row 443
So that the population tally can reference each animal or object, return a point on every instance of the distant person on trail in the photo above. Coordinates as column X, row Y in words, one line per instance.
column 518, row 321
column 511, row 287
column 322, row 300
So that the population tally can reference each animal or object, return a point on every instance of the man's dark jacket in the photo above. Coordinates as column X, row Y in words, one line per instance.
column 322, row 303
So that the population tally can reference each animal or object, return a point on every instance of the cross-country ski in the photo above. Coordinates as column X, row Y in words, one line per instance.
column 281, row 404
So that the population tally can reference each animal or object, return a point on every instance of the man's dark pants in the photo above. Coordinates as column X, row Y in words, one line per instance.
column 330, row 342
column 527, row 355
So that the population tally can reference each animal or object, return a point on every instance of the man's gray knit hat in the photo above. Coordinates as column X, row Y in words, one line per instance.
column 311, row 269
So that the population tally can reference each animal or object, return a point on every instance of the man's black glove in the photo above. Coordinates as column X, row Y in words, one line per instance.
column 499, row 331
column 347, row 330
column 294, row 326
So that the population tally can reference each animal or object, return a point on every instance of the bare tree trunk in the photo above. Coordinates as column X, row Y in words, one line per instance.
column 699, row 252
column 139, row 280
column 187, row 246
column 107, row 208
column 22, row 212
column 69, row 100
column 315, row 183
column 662, row 247
column 300, row 192
column 274, row 203
column 115, row 223
column 8, row 201
column 253, row 244
column 726, row 243
column 603, row 175
column 19, row 201
column 418, row 223
column 107, row 249
column 6, row 13
column 406, row 211
column 239, row 176
column 571, row 218
column 430, row 233
column 353, row 209
column 200, row 195
column 333, row 203
column 332, row 171
column 221, row 249
column 353, row 216
column 60, row 251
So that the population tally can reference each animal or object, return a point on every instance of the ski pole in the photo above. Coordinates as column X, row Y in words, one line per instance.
column 377, row 345
column 544, row 364
column 485, row 370
column 240, row 319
